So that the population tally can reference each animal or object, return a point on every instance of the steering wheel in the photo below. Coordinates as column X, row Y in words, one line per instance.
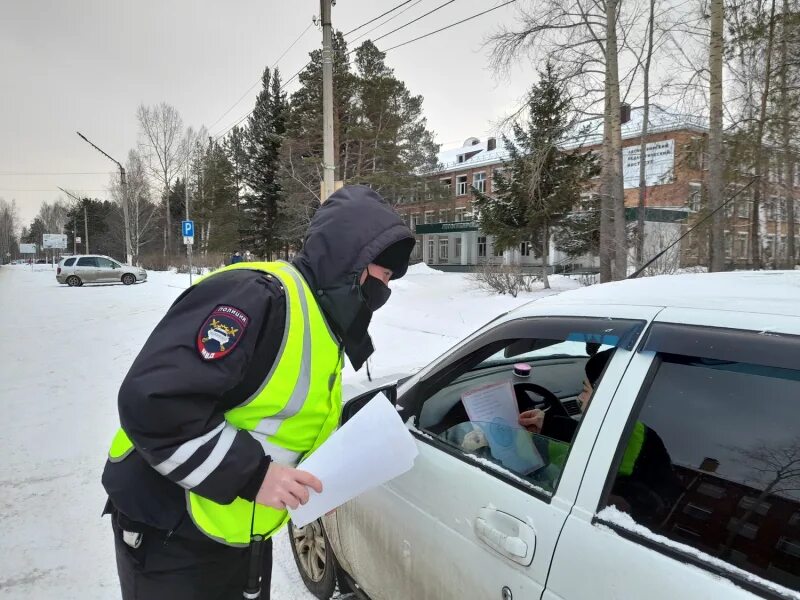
column 546, row 400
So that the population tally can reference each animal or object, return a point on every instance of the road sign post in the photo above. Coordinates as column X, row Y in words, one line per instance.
column 187, row 228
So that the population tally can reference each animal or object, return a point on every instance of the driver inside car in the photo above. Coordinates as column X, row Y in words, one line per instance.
column 646, row 484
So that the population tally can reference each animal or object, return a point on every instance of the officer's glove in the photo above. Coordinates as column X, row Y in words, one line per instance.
column 285, row 487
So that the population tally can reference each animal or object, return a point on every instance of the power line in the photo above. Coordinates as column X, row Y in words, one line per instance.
column 430, row 12
column 391, row 10
column 45, row 190
column 15, row 173
column 389, row 20
column 475, row 16
column 250, row 89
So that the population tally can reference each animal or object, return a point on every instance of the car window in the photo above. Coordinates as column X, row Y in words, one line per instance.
column 69, row 262
column 474, row 407
column 712, row 459
column 87, row 261
column 105, row 263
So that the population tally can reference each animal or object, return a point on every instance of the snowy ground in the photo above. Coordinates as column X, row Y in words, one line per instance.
column 66, row 352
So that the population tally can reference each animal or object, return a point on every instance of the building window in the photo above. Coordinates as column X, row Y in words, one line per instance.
column 741, row 245
column 743, row 208
column 444, row 249
column 447, row 184
column 749, row 504
column 525, row 248
column 457, row 247
column 481, row 246
column 495, row 173
column 695, row 196
column 728, row 239
column 414, row 221
column 697, row 512
column 461, row 185
column 479, row 181
column 496, row 249
column 790, row 547
column 428, row 217
column 772, row 208
column 431, row 249
column 460, row 213
column 417, row 253
column 747, row 530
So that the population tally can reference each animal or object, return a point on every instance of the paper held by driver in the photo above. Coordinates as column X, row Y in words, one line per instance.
column 493, row 409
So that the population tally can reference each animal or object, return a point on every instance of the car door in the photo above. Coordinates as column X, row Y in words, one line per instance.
column 107, row 270
column 458, row 525
column 86, row 268
column 719, row 402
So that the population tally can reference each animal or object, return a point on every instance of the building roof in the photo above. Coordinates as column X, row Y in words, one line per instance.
column 590, row 133
column 764, row 292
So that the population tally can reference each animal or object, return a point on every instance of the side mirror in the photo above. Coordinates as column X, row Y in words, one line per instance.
column 355, row 404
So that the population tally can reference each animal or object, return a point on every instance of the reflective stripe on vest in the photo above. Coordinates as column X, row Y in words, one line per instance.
column 633, row 449
column 295, row 409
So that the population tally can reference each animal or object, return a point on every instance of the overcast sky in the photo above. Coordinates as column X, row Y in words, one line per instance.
column 86, row 65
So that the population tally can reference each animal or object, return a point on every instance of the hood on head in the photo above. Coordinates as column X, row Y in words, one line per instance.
column 349, row 231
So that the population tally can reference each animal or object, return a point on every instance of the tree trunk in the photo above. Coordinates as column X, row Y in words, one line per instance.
column 643, row 144
column 786, row 135
column 755, row 238
column 545, row 255
column 614, row 139
column 716, row 160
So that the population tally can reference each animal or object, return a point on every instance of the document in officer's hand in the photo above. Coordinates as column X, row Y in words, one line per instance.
column 373, row 447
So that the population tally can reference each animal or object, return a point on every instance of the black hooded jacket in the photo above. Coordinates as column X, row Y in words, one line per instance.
column 173, row 400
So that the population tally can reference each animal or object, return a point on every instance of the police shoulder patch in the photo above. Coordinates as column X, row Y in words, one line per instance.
column 221, row 332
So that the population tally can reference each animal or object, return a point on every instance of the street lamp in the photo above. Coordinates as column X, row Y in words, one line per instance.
column 124, row 185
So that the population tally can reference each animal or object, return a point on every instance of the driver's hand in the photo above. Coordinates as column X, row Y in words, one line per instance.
column 532, row 420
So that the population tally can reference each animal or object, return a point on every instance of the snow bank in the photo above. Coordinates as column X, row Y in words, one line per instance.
column 423, row 269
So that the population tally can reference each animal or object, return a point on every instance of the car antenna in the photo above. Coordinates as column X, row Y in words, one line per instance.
column 641, row 269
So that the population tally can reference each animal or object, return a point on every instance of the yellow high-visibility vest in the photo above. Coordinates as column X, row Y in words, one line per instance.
column 296, row 408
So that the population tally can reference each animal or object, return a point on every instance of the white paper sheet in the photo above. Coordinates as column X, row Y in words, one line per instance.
column 493, row 408
column 373, row 447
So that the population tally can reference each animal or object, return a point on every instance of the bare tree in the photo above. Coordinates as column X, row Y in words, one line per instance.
column 141, row 209
column 590, row 39
column 9, row 222
column 716, row 160
column 789, row 108
column 164, row 147
column 643, row 144
column 53, row 216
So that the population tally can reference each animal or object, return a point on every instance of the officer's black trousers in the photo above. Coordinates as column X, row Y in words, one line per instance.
column 170, row 567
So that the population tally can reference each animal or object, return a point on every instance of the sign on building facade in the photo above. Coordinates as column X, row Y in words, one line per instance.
column 659, row 168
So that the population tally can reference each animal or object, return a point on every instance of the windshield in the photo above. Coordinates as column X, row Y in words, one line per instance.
column 566, row 349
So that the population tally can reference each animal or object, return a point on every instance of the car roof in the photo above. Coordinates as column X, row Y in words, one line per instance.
column 766, row 292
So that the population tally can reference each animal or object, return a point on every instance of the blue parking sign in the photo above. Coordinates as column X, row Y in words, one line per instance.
column 188, row 228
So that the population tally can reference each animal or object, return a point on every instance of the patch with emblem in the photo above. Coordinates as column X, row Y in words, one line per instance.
column 221, row 332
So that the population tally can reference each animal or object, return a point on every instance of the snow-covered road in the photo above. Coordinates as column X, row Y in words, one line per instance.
column 66, row 351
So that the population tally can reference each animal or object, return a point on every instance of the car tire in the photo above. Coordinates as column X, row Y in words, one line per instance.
column 128, row 279
column 74, row 281
column 314, row 558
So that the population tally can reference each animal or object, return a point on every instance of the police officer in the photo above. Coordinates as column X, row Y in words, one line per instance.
column 238, row 382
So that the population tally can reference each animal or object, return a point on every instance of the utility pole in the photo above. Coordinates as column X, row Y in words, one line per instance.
column 85, row 227
column 186, row 202
column 124, row 189
column 329, row 164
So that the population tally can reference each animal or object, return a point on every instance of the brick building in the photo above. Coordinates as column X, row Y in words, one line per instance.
column 448, row 235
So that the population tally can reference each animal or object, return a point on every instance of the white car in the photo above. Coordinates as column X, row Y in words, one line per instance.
column 682, row 479
column 96, row 268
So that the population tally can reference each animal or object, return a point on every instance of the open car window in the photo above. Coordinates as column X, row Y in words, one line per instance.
column 472, row 405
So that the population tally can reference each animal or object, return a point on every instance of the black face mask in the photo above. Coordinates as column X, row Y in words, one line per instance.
column 375, row 292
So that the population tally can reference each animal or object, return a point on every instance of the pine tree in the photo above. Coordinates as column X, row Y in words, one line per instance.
column 540, row 183
column 265, row 132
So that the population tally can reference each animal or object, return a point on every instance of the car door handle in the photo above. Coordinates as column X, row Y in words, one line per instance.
column 506, row 534
column 501, row 542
